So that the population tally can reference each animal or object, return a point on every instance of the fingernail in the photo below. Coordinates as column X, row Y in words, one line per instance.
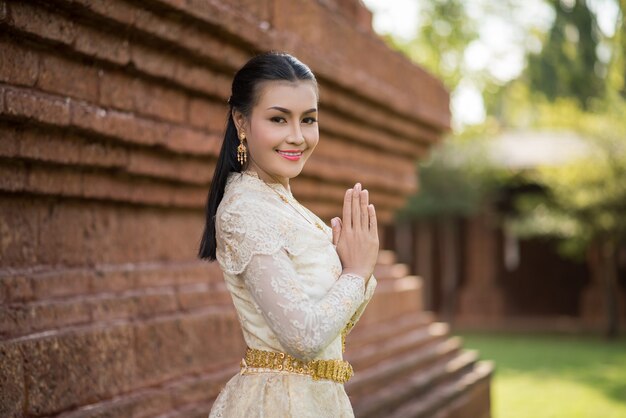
column 333, row 222
column 358, row 186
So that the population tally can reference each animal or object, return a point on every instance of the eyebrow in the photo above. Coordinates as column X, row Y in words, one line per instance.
column 287, row 111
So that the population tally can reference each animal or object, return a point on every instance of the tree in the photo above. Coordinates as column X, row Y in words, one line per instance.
column 568, row 65
column 444, row 34
column 586, row 200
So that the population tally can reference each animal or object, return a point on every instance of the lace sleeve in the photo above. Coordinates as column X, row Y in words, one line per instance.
column 303, row 326
column 369, row 293
column 245, row 228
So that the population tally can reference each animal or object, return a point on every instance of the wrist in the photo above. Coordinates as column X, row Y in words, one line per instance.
column 357, row 272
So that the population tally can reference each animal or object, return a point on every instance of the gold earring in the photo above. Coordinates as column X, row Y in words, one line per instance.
column 242, row 156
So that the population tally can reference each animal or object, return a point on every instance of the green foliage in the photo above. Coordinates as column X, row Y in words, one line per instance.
column 568, row 65
column 587, row 197
column 455, row 182
column 444, row 34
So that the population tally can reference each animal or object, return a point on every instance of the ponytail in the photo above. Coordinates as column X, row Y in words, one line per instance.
column 226, row 163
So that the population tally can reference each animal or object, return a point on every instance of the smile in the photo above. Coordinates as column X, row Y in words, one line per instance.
column 290, row 155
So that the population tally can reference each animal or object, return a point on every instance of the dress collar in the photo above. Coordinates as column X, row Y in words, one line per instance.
column 254, row 177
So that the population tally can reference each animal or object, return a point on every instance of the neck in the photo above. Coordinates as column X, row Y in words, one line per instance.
column 266, row 177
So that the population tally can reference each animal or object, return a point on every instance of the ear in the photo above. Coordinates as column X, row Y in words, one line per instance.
column 240, row 121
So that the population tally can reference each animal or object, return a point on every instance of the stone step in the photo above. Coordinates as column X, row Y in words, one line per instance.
column 392, row 369
column 364, row 333
column 386, row 257
column 394, row 299
column 383, row 401
column 384, row 272
column 386, row 348
column 435, row 402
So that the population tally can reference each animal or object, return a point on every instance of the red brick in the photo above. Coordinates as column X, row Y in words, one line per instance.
column 126, row 126
column 61, row 283
column 45, row 145
column 66, row 369
column 65, row 234
column 102, row 45
column 142, row 404
column 110, row 280
column 186, row 140
column 206, row 114
column 162, row 166
column 25, row 104
column 154, row 100
column 18, row 226
column 195, row 390
column 19, row 65
column 19, row 288
column 54, row 181
column 153, row 62
column 105, row 186
column 49, row 315
column 119, row 11
column 69, row 78
column 199, row 78
column 156, row 301
column 134, row 94
column 194, row 296
column 107, row 308
column 9, row 146
column 122, row 125
column 41, row 22
column 152, row 192
column 12, row 387
column 116, row 90
column 108, row 155
column 147, row 21
column 163, row 351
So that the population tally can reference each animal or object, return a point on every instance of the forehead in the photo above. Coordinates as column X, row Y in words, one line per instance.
column 292, row 95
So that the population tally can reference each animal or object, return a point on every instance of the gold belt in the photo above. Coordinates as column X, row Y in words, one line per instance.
column 336, row 370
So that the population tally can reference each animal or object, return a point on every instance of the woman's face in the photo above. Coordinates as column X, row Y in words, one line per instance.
column 281, row 131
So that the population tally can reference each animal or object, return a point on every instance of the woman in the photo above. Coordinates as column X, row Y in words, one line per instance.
column 298, row 286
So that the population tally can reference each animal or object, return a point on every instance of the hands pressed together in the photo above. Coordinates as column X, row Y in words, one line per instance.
column 356, row 234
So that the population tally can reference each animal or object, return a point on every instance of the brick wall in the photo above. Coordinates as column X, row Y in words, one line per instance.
column 111, row 116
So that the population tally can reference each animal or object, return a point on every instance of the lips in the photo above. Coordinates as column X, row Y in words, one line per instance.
column 293, row 155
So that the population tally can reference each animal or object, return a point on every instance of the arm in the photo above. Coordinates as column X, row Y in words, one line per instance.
column 303, row 326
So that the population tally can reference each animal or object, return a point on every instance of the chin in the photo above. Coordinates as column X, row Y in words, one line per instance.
column 293, row 172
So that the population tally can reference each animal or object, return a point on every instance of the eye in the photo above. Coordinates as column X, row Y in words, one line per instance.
column 309, row 120
column 278, row 119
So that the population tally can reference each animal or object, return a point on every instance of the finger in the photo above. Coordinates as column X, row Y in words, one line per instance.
column 347, row 208
column 336, row 224
column 373, row 221
column 364, row 211
column 356, row 209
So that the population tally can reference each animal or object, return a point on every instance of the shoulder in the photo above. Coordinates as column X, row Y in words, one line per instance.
column 246, row 204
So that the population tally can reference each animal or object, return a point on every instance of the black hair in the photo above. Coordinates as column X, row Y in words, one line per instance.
column 270, row 66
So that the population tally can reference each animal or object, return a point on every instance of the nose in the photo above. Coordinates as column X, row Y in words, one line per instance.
column 296, row 137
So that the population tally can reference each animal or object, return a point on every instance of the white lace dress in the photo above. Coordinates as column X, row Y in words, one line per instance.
column 284, row 276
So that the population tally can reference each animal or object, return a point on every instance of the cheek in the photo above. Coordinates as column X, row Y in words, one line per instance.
column 266, row 135
column 312, row 138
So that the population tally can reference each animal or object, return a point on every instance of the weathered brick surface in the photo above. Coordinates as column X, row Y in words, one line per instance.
column 12, row 395
column 19, row 65
column 111, row 116
column 39, row 107
column 72, row 368
column 68, row 77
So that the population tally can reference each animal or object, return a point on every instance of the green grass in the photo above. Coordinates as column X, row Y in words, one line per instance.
column 554, row 376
